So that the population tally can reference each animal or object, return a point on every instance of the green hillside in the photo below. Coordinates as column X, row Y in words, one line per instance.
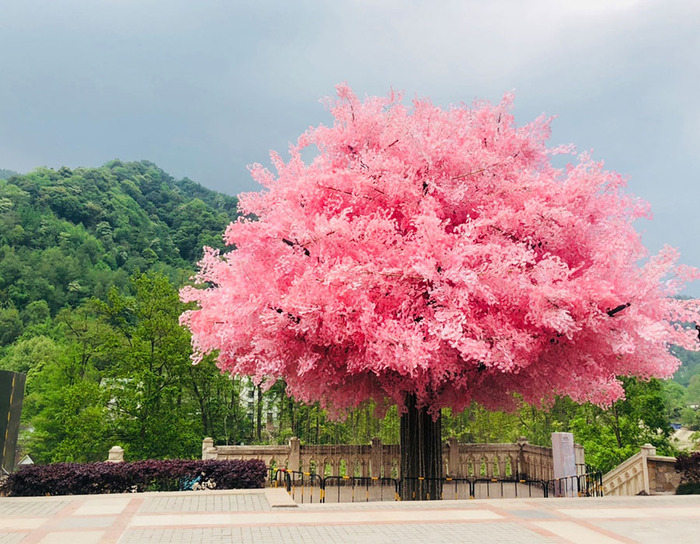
column 91, row 261
column 67, row 235
column 6, row 174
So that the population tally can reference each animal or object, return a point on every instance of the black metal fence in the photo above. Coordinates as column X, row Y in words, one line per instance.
column 305, row 487
column 585, row 485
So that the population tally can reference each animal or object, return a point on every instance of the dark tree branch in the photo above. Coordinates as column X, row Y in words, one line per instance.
column 292, row 244
column 618, row 309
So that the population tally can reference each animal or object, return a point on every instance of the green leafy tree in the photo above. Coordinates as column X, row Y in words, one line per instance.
column 30, row 352
column 69, row 423
column 65, row 405
column 154, row 416
column 10, row 325
column 611, row 436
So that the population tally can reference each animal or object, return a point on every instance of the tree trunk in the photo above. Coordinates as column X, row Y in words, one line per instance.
column 259, row 424
column 421, row 454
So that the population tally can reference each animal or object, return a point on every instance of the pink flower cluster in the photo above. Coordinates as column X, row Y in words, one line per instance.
column 438, row 252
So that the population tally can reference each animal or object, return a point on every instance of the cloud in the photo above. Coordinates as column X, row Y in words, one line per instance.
column 205, row 88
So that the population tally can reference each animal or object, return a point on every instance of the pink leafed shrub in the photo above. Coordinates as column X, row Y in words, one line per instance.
column 439, row 253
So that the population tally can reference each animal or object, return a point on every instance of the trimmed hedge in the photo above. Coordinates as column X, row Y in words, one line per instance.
column 139, row 476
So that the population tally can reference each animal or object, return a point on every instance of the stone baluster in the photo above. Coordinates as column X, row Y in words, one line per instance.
column 501, row 460
column 294, row 454
column 376, row 454
column 453, row 468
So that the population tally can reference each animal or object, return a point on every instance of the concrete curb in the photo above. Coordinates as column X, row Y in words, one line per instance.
column 279, row 498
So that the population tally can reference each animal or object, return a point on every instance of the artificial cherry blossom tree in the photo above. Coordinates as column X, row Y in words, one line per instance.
column 431, row 258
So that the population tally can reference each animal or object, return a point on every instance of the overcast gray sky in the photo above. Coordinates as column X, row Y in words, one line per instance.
column 203, row 88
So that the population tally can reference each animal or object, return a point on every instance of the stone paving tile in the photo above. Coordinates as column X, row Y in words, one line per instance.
column 444, row 533
column 652, row 532
column 11, row 538
column 92, row 522
column 575, row 533
column 309, row 517
column 22, row 523
column 644, row 512
column 603, row 513
column 30, row 507
column 72, row 537
column 531, row 514
column 103, row 507
column 394, row 505
column 610, row 502
column 206, row 503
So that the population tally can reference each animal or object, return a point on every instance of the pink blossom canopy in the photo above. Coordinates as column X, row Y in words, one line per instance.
column 438, row 252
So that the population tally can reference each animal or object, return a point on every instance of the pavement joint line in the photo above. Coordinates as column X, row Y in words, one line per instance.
column 600, row 530
column 580, row 535
column 122, row 522
column 550, row 536
column 554, row 516
column 507, row 514
column 48, row 526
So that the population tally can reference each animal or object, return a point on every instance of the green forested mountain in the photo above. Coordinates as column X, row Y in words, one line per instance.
column 5, row 174
column 67, row 235
column 690, row 367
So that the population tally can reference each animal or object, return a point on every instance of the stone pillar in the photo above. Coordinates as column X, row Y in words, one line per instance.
column 376, row 458
column 580, row 456
column 647, row 450
column 208, row 449
column 116, row 455
column 294, row 454
column 453, row 458
column 522, row 469
column 564, row 464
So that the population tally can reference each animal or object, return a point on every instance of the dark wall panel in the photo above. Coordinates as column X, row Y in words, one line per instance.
column 11, row 397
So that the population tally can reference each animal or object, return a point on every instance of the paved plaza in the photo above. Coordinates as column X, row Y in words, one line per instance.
column 270, row 516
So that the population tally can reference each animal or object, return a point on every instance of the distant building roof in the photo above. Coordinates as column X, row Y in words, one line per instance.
column 26, row 460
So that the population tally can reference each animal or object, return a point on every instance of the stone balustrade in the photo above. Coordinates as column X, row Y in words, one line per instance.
column 382, row 460
column 645, row 473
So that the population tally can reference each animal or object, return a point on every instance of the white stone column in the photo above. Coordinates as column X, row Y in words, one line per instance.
column 208, row 449
column 116, row 455
column 647, row 450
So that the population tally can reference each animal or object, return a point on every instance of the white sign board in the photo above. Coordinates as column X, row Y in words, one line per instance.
column 564, row 464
